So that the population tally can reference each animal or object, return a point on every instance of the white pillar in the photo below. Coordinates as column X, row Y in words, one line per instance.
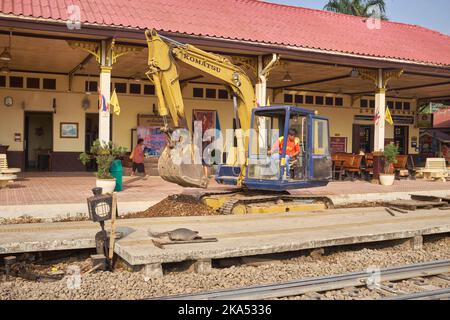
column 104, row 116
column 261, row 100
column 380, row 114
column 105, row 91
column 261, row 83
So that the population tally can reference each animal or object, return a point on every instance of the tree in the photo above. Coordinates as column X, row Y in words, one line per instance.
column 362, row 8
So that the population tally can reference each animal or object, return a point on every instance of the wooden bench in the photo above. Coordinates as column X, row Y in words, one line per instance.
column 435, row 168
column 351, row 164
column 342, row 161
column 355, row 167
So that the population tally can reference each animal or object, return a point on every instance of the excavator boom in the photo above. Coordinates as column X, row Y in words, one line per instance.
column 163, row 55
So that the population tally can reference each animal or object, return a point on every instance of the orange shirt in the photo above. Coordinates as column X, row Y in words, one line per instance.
column 138, row 155
column 291, row 147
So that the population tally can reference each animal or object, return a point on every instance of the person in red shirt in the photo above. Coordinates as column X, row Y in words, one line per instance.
column 138, row 157
column 292, row 149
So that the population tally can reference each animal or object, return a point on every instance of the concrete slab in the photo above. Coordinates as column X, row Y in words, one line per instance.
column 247, row 236
column 237, row 235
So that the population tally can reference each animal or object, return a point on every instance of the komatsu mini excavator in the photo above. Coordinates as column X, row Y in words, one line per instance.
column 262, row 180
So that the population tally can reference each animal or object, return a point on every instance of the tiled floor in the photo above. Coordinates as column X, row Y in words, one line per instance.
column 56, row 188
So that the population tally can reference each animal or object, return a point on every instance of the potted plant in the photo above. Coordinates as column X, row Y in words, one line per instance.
column 104, row 153
column 390, row 157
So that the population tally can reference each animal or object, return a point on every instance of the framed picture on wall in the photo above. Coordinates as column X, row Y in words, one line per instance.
column 69, row 130
column 207, row 117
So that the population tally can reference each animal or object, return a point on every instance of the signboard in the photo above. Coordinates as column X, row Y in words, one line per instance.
column 425, row 120
column 338, row 144
column 441, row 119
column 151, row 120
column 154, row 140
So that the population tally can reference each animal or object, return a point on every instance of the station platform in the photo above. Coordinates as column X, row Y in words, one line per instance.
column 238, row 236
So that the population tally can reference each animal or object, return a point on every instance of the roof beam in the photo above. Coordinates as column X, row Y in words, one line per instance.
column 312, row 82
column 412, row 87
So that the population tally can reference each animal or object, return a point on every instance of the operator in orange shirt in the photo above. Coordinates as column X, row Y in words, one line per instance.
column 292, row 149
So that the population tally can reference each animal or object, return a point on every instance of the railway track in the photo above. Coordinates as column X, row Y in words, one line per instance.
column 379, row 280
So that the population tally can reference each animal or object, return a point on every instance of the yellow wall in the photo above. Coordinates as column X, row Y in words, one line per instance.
column 69, row 109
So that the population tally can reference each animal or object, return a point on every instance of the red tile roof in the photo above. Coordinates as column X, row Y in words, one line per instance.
column 253, row 20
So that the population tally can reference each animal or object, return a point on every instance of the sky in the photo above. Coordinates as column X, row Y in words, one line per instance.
column 432, row 14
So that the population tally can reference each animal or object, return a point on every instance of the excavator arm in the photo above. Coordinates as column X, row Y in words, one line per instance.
column 163, row 56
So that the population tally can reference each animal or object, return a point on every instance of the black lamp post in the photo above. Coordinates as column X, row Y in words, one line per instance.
column 100, row 210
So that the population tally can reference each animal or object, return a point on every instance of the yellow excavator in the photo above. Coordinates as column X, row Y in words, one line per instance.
column 263, row 180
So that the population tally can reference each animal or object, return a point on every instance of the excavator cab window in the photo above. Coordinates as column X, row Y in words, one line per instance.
column 321, row 157
column 267, row 157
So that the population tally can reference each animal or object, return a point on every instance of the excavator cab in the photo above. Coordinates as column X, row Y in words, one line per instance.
column 271, row 162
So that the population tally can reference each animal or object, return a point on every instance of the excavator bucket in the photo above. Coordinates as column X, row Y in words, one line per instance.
column 183, row 174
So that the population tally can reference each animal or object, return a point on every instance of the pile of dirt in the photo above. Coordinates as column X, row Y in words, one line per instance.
column 175, row 206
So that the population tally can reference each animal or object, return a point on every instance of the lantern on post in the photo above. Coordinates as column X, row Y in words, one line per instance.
column 100, row 208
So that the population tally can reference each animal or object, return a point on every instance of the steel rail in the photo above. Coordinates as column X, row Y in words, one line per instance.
column 321, row 284
column 426, row 295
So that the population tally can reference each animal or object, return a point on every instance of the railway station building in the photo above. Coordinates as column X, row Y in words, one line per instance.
column 57, row 58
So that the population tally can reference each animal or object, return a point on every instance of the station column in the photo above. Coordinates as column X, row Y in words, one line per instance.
column 105, row 91
column 380, row 78
column 106, row 53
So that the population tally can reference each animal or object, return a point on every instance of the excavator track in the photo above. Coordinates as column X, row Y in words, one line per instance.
column 238, row 202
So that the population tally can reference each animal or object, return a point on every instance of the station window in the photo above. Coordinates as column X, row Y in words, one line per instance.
column 398, row 105
column 120, row 87
column 407, row 106
column 223, row 94
column 198, row 93
column 288, row 98
column 298, row 99
column 16, row 82
column 211, row 93
column 2, row 81
column 91, row 86
column 390, row 104
column 339, row 102
column 149, row 89
column 49, row 84
column 309, row 99
column 319, row 100
column 372, row 104
column 33, row 83
column 135, row 88
column 329, row 101
column 364, row 104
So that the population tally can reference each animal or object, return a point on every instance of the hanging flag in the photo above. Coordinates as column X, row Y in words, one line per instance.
column 389, row 117
column 114, row 103
column 377, row 117
column 102, row 105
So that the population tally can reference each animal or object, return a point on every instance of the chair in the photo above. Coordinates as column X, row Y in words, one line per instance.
column 4, row 169
column 355, row 167
column 367, row 165
column 400, row 167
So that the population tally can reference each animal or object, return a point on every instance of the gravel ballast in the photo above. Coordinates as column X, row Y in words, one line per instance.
column 127, row 285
